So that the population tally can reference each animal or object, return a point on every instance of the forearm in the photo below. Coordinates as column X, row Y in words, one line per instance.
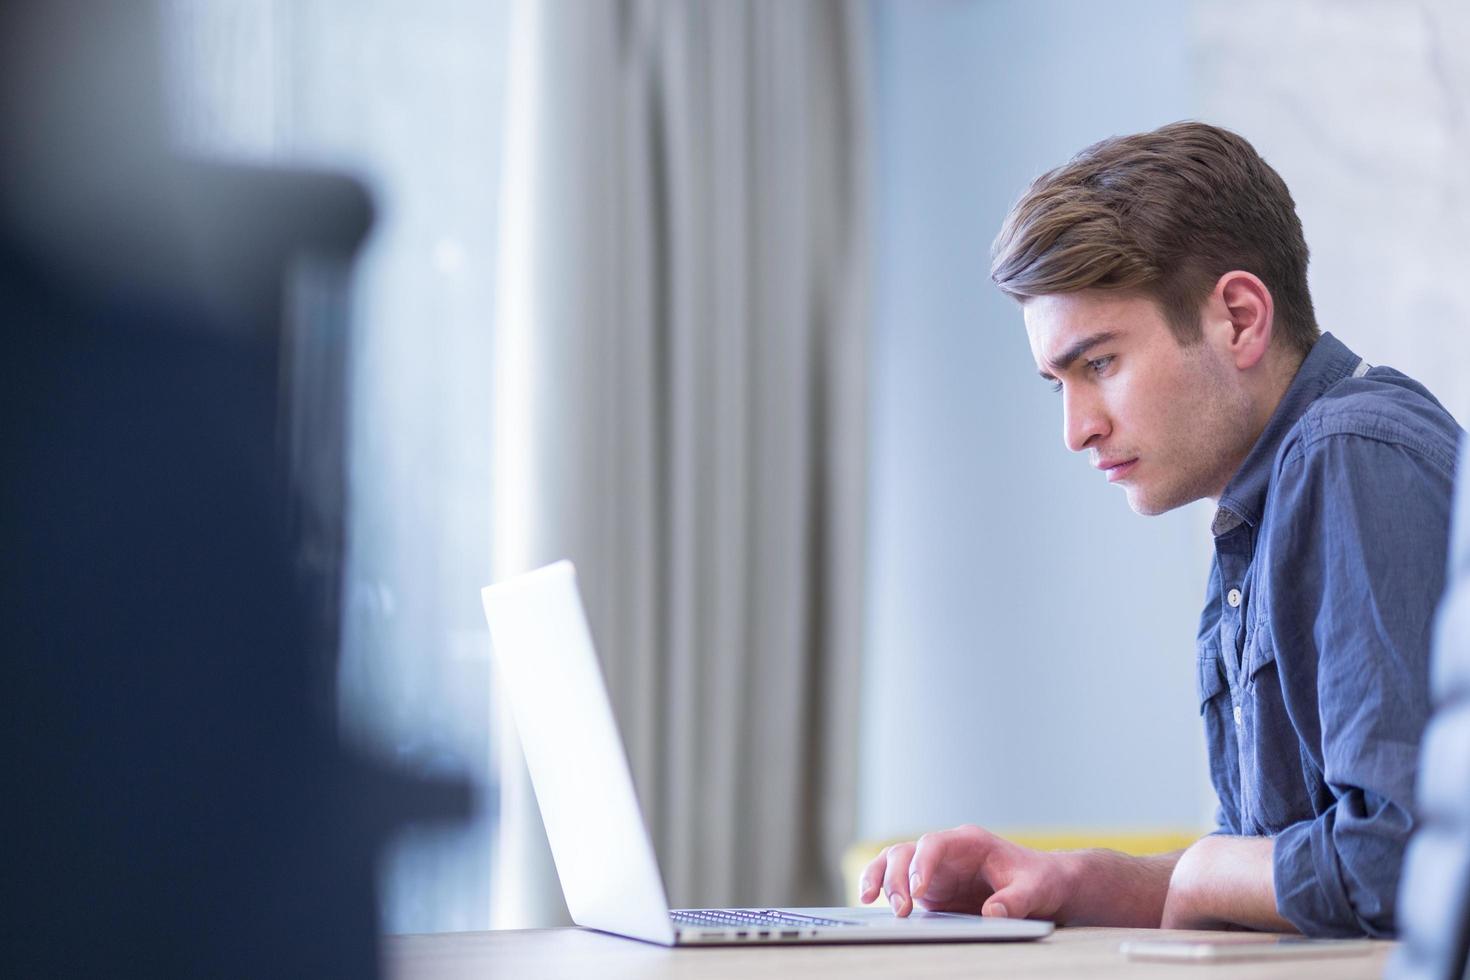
column 1224, row 882
column 1113, row 889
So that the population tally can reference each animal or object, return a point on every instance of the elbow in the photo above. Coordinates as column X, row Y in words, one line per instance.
column 1183, row 903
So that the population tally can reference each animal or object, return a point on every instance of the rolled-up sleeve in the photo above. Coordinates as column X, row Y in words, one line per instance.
column 1352, row 620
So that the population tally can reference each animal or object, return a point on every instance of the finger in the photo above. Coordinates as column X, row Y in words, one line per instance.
column 928, row 858
column 934, row 850
column 1015, row 901
column 872, row 877
column 896, row 878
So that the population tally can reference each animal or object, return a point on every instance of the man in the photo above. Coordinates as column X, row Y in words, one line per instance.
column 1163, row 283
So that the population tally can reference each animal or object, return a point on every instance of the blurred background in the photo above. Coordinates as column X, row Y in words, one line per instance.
column 696, row 294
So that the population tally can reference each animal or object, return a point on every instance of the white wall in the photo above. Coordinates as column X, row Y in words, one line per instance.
column 1364, row 109
column 1030, row 659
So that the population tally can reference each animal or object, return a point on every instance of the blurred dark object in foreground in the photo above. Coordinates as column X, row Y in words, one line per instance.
column 177, row 798
column 1434, row 895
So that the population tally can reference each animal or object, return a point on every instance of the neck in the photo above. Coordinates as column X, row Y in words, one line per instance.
column 1260, row 397
column 1280, row 370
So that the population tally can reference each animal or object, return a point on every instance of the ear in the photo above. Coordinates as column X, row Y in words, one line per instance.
column 1248, row 317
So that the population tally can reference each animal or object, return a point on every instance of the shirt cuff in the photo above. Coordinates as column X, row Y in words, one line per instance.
column 1309, row 883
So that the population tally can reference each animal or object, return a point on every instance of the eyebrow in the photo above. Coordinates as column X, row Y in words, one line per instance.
column 1077, row 350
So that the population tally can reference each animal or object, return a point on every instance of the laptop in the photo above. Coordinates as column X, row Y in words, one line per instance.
column 549, row 670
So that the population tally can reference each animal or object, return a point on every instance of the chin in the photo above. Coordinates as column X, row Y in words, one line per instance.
column 1148, row 505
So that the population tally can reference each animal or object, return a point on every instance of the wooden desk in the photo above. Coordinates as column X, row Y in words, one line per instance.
column 1088, row 953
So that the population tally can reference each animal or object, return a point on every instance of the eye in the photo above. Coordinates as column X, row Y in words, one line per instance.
column 1101, row 364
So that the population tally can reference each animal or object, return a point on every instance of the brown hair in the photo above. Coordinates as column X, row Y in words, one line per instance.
column 1165, row 213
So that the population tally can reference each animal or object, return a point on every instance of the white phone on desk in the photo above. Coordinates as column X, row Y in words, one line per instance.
column 1237, row 948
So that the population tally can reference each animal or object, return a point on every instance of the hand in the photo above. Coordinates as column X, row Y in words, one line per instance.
column 971, row 870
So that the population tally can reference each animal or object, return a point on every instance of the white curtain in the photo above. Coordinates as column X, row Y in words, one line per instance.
column 680, row 408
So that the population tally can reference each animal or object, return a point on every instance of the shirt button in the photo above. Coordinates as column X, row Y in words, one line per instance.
column 1237, row 714
column 1233, row 597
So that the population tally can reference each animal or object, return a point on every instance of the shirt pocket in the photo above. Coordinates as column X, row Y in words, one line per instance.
column 1210, row 679
column 1259, row 653
column 1274, row 789
column 1215, row 712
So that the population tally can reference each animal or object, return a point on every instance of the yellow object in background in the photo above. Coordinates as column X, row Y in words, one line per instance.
column 1127, row 842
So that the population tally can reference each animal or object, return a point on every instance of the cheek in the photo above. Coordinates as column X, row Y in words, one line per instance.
column 1139, row 409
column 1169, row 402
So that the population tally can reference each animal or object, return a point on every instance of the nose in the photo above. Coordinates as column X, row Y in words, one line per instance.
column 1083, row 419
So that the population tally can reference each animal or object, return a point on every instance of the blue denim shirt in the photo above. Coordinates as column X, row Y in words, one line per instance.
column 1330, row 547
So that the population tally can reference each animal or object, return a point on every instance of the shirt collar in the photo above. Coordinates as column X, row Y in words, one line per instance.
column 1244, row 499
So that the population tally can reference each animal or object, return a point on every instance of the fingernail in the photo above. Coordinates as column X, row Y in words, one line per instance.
column 863, row 886
column 913, row 882
column 998, row 910
column 896, row 900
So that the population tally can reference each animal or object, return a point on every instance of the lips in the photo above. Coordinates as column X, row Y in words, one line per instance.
column 1116, row 469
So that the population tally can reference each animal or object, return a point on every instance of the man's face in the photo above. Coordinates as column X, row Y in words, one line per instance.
column 1169, row 424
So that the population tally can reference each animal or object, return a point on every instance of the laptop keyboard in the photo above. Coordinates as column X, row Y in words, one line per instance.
column 739, row 918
